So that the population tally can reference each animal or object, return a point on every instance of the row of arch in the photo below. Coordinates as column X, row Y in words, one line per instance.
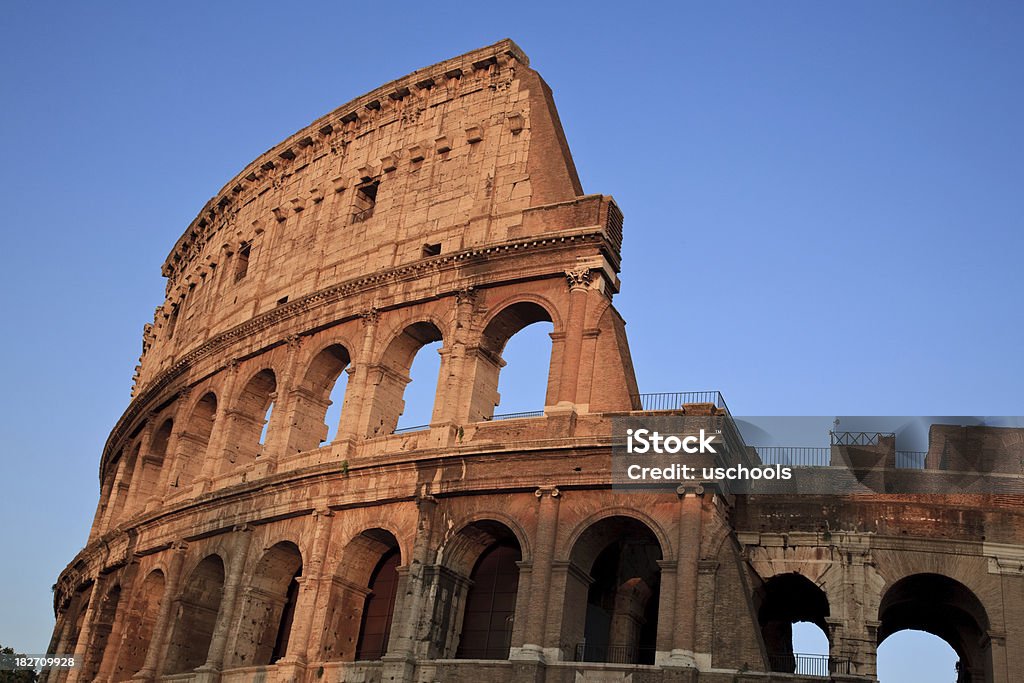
column 610, row 610
column 611, row 605
column 927, row 602
column 209, row 435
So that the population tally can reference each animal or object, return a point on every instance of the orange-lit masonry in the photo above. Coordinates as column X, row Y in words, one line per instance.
column 445, row 207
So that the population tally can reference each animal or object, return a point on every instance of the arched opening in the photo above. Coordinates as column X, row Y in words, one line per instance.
column 491, row 600
column 197, row 610
column 73, row 621
column 139, row 625
column 781, row 602
column 410, row 359
column 268, row 608
column 611, row 601
column 102, row 625
column 152, row 463
column 123, row 483
column 519, row 335
column 194, row 442
column 250, row 418
column 945, row 608
column 362, row 602
column 319, row 400
column 379, row 608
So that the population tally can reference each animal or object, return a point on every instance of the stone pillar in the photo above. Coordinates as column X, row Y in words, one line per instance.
column 137, row 484
column 579, row 282
column 228, row 605
column 533, row 597
column 687, row 597
column 412, row 613
column 162, row 628
column 283, row 415
column 85, row 635
column 361, row 388
column 216, row 450
column 312, row 581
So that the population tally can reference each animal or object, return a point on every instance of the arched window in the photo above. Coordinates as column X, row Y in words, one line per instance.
column 139, row 625
column 198, row 607
column 144, row 486
column 194, row 442
column 518, row 336
column 379, row 608
column 491, row 602
column 320, row 400
column 122, row 484
column 362, row 602
column 944, row 608
column 268, row 608
column 390, row 399
column 781, row 602
column 250, row 419
column 615, row 617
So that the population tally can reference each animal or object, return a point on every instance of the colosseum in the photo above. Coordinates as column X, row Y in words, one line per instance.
column 239, row 537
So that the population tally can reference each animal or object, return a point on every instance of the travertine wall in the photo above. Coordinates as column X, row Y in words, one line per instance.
column 444, row 206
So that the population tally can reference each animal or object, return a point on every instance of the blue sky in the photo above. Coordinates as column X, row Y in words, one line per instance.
column 823, row 200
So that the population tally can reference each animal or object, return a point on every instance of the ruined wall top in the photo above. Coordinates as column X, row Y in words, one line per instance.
column 447, row 158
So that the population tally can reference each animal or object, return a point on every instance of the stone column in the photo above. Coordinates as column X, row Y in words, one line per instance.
column 686, row 599
column 85, row 635
column 533, row 601
column 228, row 605
column 282, row 416
column 216, row 450
column 162, row 627
column 412, row 614
column 359, row 394
column 579, row 282
column 313, row 579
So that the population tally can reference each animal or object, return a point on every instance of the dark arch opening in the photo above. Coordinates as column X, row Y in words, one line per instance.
column 782, row 601
column 362, row 600
column 945, row 608
column 152, row 463
column 268, row 607
column 379, row 608
column 491, row 601
column 528, row 388
column 198, row 607
column 194, row 442
column 613, row 616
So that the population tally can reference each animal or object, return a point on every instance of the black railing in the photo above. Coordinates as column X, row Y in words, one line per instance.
column 360, row 216
column 405, row 430
column 513, row 416
column 615, row 654
column 800, row 456
column 911, row 460
column 676, row 400
column 808, row 665
column 859, row 438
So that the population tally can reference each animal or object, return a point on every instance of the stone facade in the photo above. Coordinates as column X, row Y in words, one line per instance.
column 445, row 206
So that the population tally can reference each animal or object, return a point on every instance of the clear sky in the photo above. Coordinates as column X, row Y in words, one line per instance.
column 823, row 201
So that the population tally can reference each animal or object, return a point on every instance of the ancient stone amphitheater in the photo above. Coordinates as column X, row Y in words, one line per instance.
column 233, row 542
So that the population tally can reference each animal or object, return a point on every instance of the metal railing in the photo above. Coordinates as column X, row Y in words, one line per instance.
column 808, row 665
column 360, row 216
column 405, row 430
column 910, row 460
column 676, row 400
column 615, row 654
column 513, row 416
column 859, row 438
column 800, row 456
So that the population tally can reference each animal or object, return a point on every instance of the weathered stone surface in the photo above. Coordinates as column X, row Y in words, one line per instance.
column 445, row 206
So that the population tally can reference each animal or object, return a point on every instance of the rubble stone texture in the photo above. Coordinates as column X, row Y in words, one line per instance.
column 445, row 206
